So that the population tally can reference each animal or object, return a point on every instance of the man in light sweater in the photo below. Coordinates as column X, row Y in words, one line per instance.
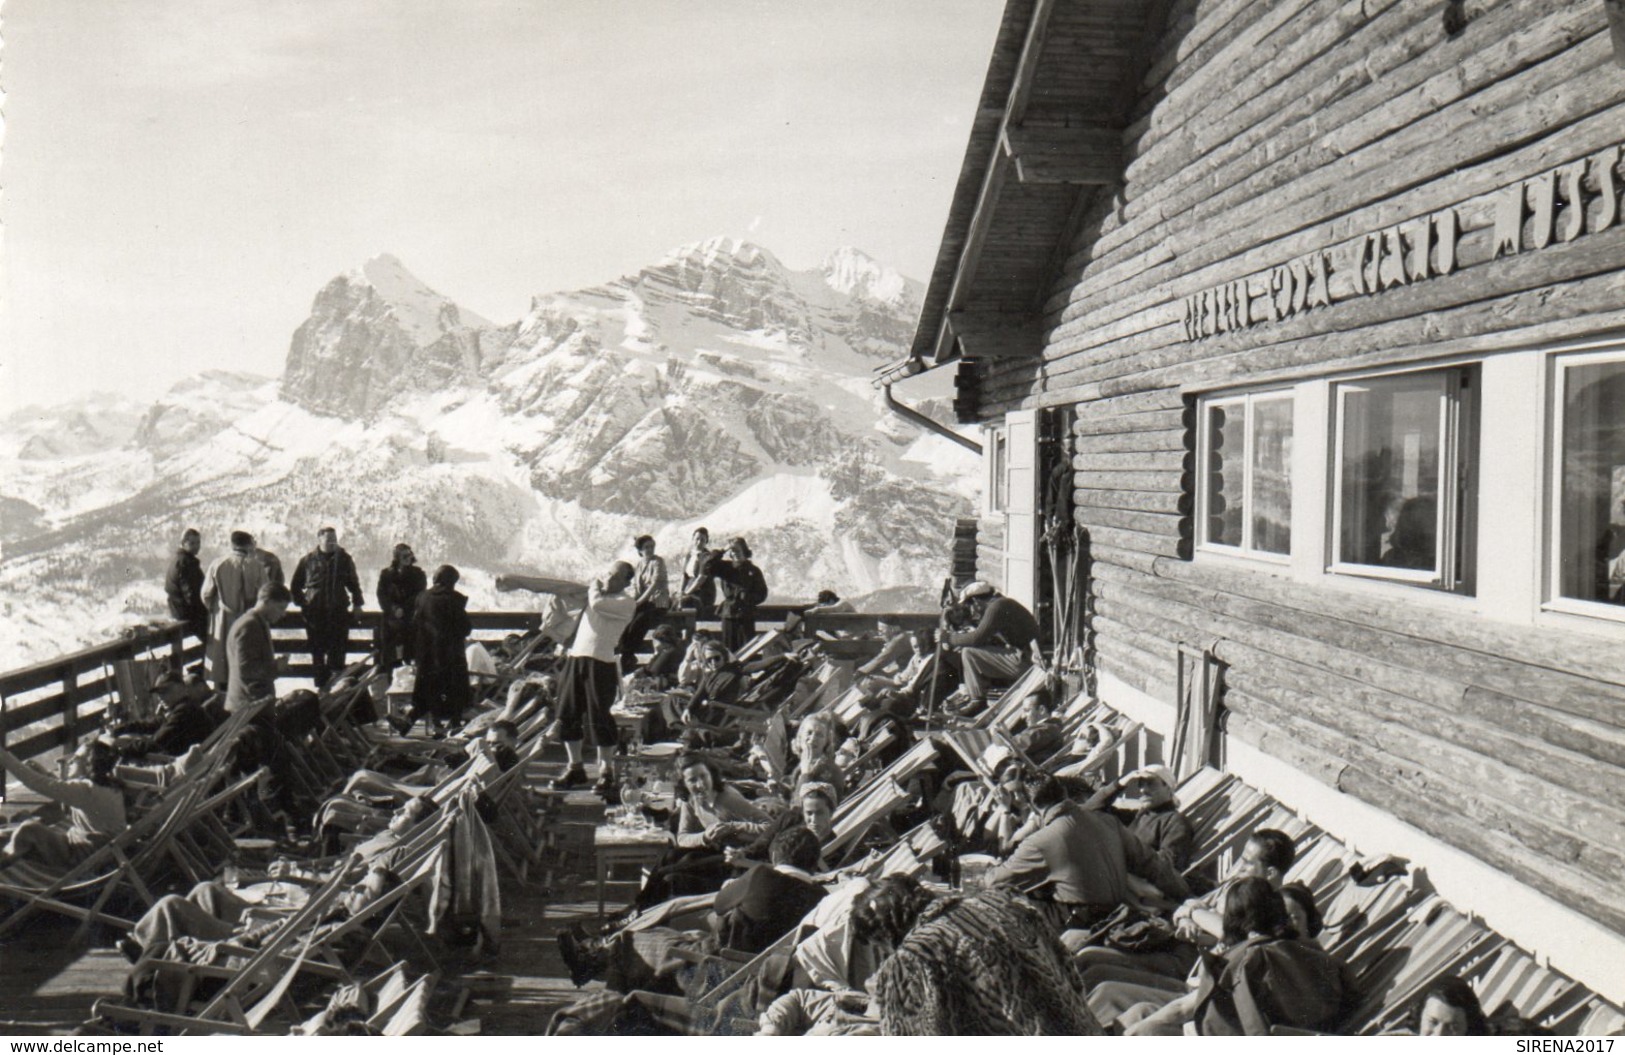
column 591, row 676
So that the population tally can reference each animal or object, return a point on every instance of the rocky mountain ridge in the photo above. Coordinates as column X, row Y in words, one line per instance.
column 716, row 385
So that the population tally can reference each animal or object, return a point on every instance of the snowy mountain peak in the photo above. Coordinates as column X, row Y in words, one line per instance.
column 720, row 253
column 856, row 274
column 422, row 312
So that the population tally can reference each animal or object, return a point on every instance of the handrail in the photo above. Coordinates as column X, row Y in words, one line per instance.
column 61, row 700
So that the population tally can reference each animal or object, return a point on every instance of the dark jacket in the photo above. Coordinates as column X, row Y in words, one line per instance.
column 398, row 587
column 1085, row 857
column 440, row 629
column 664, row 661
column 252, row 661
column 184, row 586
column 743, row 588
column 185, row 724
column 701, row 587
column 1005, row 622
column 761, row 906
column 322, row 580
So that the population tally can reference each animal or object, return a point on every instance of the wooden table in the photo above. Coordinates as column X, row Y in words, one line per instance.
column 615, row 845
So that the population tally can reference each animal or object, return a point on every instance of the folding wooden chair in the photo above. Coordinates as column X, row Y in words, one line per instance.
column 131, row 859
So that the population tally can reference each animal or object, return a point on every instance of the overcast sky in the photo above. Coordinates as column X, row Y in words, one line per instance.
column 181, row 176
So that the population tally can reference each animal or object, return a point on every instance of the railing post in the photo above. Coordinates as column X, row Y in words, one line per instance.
column 70, row 706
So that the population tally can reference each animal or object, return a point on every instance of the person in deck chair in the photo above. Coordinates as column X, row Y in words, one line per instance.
column 94, row 799
column 1144, row 800
column 1079, row 861
column 1198, row 923
column 1268, row 976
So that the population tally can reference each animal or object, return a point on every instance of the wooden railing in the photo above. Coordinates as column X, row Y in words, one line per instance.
column 54, row 705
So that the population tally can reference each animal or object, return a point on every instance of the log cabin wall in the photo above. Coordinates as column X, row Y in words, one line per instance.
column 1268, row 132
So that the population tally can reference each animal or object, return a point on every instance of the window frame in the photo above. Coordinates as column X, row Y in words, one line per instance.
column 1558, row 364
column 998, row 484
column 1456, row 518
column 1245, row 398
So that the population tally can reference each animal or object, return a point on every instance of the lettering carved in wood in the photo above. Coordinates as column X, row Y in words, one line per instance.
column 1560, row 204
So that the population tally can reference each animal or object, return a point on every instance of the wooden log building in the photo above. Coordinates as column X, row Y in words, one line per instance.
column 1319, row 304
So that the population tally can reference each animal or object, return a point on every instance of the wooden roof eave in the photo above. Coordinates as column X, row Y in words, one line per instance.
column 942, row 346
column 1012, row 155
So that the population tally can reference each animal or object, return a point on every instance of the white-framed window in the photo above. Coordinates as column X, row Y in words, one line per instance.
column 1586, row 555
column 1244, row 489
column 1402, row 495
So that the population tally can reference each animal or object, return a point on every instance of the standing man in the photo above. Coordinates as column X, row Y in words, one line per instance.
column 184, row 586
column 229, row 590
column 995, row 649
column 253, row 661
column 699, row 587
column 591, row 676
column 652, row 591
column 324, row 584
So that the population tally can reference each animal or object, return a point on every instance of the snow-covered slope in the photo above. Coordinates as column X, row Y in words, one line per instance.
column 715, row 386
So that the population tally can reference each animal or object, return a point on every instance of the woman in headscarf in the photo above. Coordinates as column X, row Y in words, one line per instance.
column 398, row 588
column 982, row 965
column 440, row 628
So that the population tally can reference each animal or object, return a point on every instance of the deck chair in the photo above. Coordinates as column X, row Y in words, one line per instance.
column 871, row 807
column 817, row 690
column 407, row 1015
column 831, row 681
column 1512, row 977
column 133, row 859
column 1436, row 941
column 1001, row 711
column 261, row 983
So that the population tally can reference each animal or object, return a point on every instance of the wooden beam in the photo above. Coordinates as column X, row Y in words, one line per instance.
column 1015, row 109
column 1085, row 154
column 1096, row 140
column 1616, row 28
column 1069, row 169
column 996, row 335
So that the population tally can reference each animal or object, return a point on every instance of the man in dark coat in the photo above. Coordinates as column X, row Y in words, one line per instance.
column 398, row 588
column 324, row 584
column 249, row 652
column 184, row 586
column 440, row 629
column 761, row 906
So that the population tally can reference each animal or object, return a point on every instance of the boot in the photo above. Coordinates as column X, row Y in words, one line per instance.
column 584, row 956
column 573, row 778
column 607, row 787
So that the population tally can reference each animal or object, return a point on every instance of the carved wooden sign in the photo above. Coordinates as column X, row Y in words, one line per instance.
column 1559, row 204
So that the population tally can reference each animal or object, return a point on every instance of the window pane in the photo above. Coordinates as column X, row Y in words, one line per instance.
column 1390, row 471
column 1272, row 475
column 1591, row 547
column 1226, row 466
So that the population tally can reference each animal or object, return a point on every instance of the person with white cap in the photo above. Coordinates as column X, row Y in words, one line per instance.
column 1144, row 800
column 995, row 650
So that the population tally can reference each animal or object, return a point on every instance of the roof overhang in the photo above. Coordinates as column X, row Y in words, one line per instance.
column 1046, row 138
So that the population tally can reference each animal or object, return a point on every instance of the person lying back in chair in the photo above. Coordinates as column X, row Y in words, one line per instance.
column 213, row 912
